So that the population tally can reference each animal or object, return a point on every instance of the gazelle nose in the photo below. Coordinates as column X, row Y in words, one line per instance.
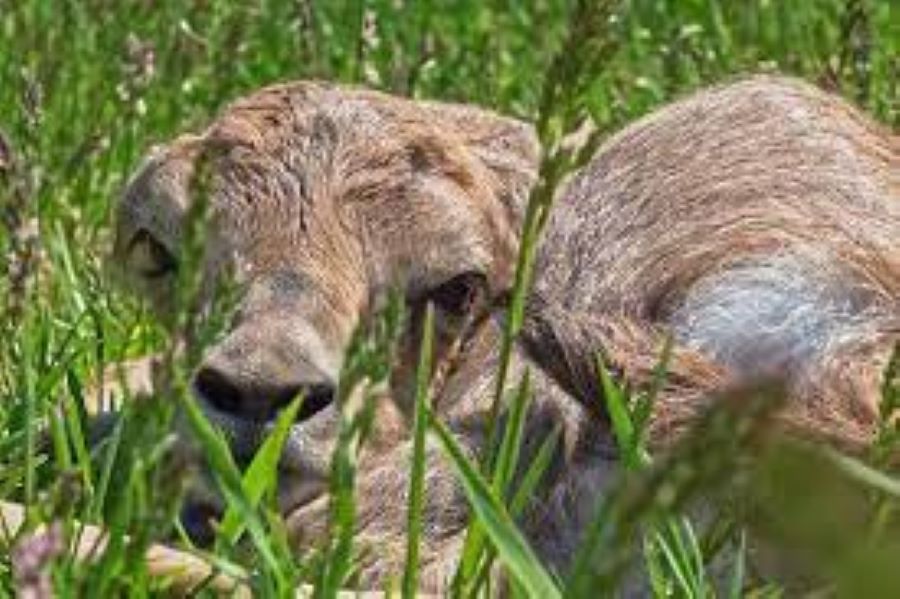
column 252, row 400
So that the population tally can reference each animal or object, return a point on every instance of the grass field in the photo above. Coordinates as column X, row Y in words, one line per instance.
column 87, row 86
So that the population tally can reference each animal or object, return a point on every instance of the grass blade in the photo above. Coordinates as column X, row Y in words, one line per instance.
column 475, row 560
column 864, row 473
column 229, row 480
column 58, row 435
column 535, row 473
column 508, row 457
column 512, row 548
column 73, row 421
column 417, row 476
column 674, row 555
column 109, row 460
column 736, row 588
column 619, row 415
column 261, row 476
column 523, row 494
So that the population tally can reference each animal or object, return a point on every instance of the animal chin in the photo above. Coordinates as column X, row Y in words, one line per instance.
column 303, row 456
column 302, row 471
column 297, row 491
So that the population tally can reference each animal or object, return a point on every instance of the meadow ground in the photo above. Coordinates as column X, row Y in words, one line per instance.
column 87, row 86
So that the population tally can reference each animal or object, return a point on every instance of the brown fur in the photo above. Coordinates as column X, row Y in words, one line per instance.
column 690, row 220
column 765, row 200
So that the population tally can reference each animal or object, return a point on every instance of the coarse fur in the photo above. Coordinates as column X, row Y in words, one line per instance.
column 755, row 221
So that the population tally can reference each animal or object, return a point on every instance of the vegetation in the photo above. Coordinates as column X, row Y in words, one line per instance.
column 87, row 86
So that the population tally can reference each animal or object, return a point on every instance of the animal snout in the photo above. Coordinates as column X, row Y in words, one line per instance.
column 250, row 399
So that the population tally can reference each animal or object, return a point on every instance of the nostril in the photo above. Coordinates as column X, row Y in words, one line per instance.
column 255, row 401
column 199, row 521
column 317, row 398
column 215, row 388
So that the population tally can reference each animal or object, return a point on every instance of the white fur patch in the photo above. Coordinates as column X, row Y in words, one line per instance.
column 773, row 313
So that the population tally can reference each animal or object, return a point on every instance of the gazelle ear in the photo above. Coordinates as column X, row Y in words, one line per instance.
column 506, row 146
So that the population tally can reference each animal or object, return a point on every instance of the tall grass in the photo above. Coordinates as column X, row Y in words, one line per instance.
column 86, row 87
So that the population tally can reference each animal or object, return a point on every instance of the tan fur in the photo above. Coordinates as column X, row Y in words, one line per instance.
column 324, row 197
column 761, row 216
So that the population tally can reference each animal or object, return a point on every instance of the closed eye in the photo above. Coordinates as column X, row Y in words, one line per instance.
column 149, row 257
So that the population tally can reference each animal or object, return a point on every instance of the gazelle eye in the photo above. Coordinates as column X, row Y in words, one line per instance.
column 457, row 295
column 149, row 257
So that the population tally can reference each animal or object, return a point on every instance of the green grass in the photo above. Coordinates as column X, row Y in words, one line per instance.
column 87, row 86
